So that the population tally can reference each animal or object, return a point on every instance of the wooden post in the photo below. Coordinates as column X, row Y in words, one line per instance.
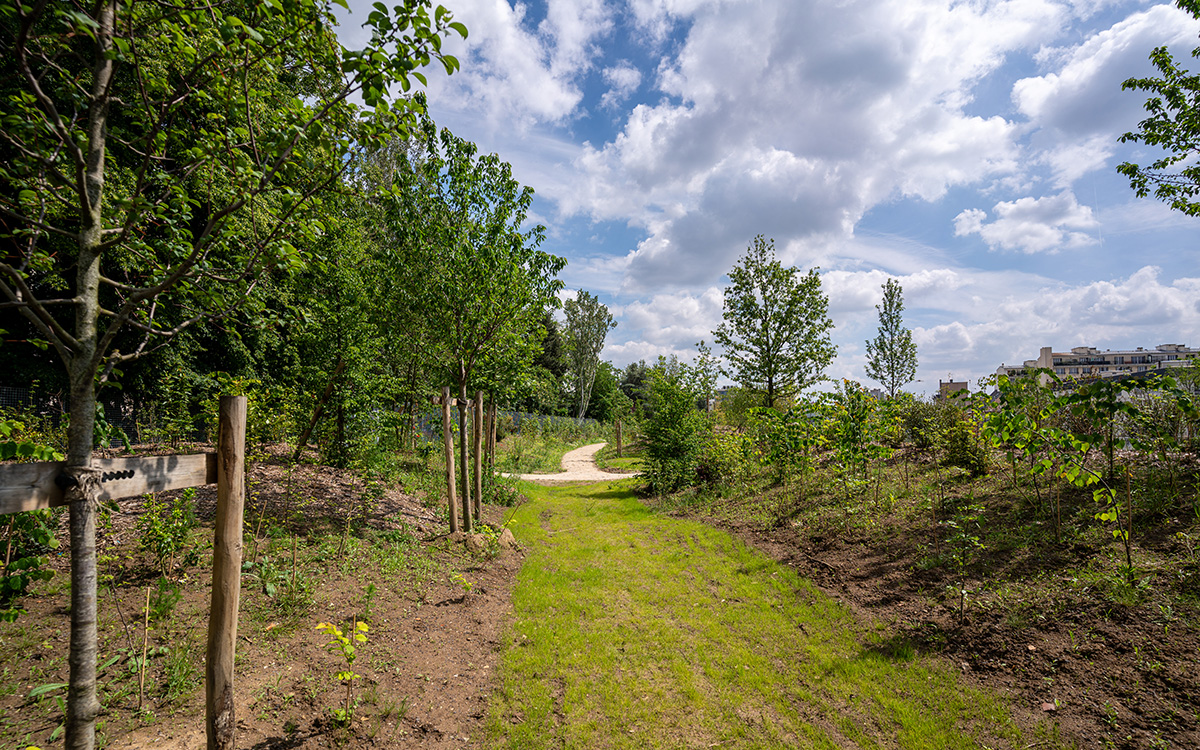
column 448, row 439
column 477, row 433
column 491, row 432
column 463, row 454
column 220, row 723
column 618, row 438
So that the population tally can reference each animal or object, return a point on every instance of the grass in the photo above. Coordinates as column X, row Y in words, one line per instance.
column 534, row 454
column 634, row 629
column 632, row 458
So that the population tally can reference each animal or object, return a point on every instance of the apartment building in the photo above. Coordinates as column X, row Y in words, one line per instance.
column 1090, row 362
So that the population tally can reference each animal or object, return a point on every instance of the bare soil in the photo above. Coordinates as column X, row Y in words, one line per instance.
column 1080, row 669
column 426, row 670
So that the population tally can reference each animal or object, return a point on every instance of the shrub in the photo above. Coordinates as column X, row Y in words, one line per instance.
column 164, row 529
column 722, row 458
column 674, row 435
column 963, row 448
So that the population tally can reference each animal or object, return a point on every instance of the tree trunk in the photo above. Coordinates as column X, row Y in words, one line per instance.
column 463, row 456
column 448, row 444
column 477, row 434
column 491, row 436
column 79, row 479
column 303, row 441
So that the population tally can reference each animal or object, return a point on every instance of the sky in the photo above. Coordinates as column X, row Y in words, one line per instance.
column 967, row 149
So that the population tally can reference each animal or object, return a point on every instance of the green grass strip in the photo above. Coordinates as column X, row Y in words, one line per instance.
column 635, row 629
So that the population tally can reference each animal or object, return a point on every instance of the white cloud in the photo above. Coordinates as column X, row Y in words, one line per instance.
column 792, row 119
column 515, row 73
column 1078, row 106
column 861, row 291
column 675, row 320
column 1031, row 225
column 623, row 79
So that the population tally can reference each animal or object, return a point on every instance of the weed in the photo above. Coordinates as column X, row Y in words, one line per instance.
column 180, row 674
column 163, row 601
column 458, row 579
column 368, row 598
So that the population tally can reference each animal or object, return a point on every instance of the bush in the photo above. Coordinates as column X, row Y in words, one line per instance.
column 722, row 459
column 925, row 421
column 674, row 436
column 963, row 448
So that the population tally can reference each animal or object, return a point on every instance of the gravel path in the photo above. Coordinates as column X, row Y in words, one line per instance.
column 578, row 465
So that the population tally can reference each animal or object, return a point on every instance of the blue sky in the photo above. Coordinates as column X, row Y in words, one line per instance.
column 967, row 149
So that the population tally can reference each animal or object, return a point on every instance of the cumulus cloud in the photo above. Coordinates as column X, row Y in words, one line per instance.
column 861, row 291
column 1031, row 225
column 1018, row 316
column 1078, row 106
column 623, row 79
column 792, row 119
column 517, row 72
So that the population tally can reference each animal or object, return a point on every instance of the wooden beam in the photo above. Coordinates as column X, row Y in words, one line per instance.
column 31, row 486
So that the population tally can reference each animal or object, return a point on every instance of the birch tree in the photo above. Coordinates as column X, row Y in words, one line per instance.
column 588, row 324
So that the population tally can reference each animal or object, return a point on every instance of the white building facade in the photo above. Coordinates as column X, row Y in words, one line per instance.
column 1089, row 362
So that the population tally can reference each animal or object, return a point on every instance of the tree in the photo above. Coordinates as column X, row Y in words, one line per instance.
column 159, row 159
column 468, row 266
column 588, row 324
column 892, row 356
column 702, row 375
column 776, row 325
column 1173, row 125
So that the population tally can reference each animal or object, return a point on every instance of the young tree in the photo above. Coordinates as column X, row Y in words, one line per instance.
column 776, row 325
column 703, row 374
column 1173, row 125
column 160, row 157
column 588, row 324
column 892, row 356
column 468, row 266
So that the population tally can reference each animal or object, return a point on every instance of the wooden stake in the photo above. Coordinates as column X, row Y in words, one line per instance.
column 618, row 438
column 448, row 440
column 220, row 722
column 477, row 433
column 491, row 436
column 463, row 457
column 145, row 645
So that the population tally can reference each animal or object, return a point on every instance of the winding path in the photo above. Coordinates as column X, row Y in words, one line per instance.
column 578, row 465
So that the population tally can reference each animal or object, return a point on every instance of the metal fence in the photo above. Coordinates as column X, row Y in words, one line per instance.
column 138, row 420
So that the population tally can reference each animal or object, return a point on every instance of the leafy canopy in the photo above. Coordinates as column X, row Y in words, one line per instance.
column 776, row 325
column 892, row 356
column 1173, row 126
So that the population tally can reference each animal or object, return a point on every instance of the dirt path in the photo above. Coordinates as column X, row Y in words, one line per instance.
column 578, row 465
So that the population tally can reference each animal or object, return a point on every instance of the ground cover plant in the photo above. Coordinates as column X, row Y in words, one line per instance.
column 636, row 629
column 537, row 447
column 1042, row 538
column 323, row 546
